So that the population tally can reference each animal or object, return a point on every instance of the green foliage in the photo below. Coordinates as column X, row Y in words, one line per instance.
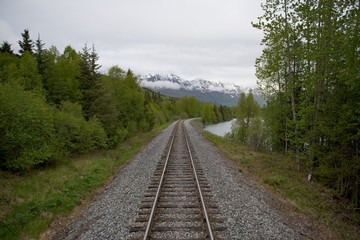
column 276, row 116
column 309, row 70
column 130, row 102
column 125, row 102
column 81, row 109
column 27, row 129
column 26, row 73
column 208, row 114
column 157, row 115
column 39, row 55
column 249, row 124
column 226, row 112
column 168, row 108
column 7, row 61
column 97, row 135
column 26, row 45
column 316, row 201
column 75, row 133
column 188, row 107
column 6, row 48
column 148, row 121
column 276, row 181
column 44, row 195
column 90, row 82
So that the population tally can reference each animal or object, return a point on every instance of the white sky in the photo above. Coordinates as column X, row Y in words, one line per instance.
column 208, row 39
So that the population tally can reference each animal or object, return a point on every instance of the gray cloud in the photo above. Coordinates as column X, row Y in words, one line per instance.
column 210, row 39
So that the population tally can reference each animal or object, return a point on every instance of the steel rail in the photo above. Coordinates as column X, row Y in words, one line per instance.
column 152, row 214
column 211, row 236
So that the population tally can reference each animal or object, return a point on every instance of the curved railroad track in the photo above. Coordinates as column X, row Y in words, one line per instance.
column 178, row 204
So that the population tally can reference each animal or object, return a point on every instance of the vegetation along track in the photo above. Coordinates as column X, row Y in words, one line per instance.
column 178, row 204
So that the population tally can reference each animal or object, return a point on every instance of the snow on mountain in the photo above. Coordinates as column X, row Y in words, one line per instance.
column 171, row 81
column 204, row 90
column 159, row 81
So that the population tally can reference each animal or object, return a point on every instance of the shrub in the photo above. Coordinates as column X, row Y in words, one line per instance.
column 78, row 135
column 68, row 131
column 27, row 134
column 98, row 135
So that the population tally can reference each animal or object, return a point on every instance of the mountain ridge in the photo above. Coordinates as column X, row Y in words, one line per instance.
column 205, row 90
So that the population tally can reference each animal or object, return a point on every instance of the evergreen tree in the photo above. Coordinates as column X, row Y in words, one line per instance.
column 39, row 55
column 6, row 48
column 26, row 44
column 83, row 110
column 90, row 81
column 309, row 71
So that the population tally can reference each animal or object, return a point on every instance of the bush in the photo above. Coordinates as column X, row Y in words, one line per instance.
column 78, row 135
column 68, row 131
column 32, row 132
column 120, row 135
column 98, row 135
column 27, row 134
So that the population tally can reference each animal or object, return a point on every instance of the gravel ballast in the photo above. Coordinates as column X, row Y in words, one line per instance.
column 244, row 205
column 114, row 211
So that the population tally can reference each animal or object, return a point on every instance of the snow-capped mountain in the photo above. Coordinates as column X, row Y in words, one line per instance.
column 206, row 91
column 158, row 81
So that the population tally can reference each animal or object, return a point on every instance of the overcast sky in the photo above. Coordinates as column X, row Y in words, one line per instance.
column 208, row 39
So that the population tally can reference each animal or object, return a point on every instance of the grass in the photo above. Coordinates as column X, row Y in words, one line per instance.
column 30, row 202
column 330, row 218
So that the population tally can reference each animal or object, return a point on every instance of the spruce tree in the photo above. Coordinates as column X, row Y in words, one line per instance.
column 309, row 70
column 90, row 81
column 6, row 48
column 26, row 44
column 39, row 55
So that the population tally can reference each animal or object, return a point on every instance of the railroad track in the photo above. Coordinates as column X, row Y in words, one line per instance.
column 178, row 204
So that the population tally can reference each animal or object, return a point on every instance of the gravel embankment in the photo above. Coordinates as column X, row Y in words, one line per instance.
column 114, row 211
column 244, row 205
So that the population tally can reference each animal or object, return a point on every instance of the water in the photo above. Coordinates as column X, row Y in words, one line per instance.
column 220, row 129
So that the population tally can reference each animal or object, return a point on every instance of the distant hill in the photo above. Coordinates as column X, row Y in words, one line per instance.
column 204, row 90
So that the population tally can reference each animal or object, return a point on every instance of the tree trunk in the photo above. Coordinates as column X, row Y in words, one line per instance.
column 291, row 81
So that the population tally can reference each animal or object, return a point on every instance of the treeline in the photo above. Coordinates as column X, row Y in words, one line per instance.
column 249, row 128
column 309, row 71
column 54, row 104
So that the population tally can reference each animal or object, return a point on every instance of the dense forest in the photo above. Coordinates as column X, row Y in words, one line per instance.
column 54, row 104
column 309, row 71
